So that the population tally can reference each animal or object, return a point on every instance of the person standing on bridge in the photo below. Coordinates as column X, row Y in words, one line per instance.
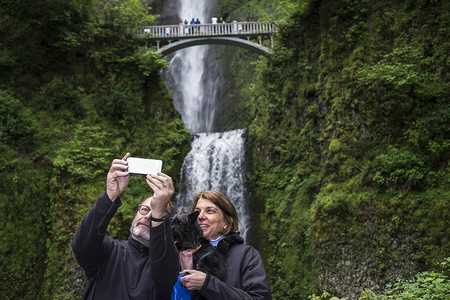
column 197, row 29
column 186, row 29
column 214, row 22
column 192, row 30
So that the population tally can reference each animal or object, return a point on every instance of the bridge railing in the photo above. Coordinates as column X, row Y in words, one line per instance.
column 235, row 29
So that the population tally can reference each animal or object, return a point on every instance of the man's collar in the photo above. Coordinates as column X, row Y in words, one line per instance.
column 135, row 244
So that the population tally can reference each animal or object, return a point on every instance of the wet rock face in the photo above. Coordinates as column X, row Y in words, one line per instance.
column 346, row 265
column 167, row 9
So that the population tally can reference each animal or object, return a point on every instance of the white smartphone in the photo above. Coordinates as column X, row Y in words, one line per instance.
column 144, row 166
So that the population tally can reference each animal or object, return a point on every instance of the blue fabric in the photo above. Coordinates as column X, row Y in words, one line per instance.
column 216, row 241
column 179, row 292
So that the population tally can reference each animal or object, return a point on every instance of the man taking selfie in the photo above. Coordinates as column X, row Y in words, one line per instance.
column 143, row 267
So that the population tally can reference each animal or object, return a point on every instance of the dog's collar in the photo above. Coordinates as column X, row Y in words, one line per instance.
column 203, row 256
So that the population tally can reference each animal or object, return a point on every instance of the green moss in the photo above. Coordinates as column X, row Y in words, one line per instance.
column 365, row 135
column 348, row 139
column 335, row 146
column 74, row 99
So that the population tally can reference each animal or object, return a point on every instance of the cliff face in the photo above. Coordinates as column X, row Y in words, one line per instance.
column 167, row 9
column 348, row 139
column 349, row 147
column 76, row 91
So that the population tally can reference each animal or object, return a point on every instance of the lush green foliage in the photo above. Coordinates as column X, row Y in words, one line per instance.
column 398, row 168
column 17, row 126
column 23, row 224
column 77, row 89
column 348, row 139
column 245, row 11
column 425, row 285
column 324, row 295
column 349, row 145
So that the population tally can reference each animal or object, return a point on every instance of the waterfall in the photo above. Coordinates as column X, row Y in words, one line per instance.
column 194, row 75
column 216, row 160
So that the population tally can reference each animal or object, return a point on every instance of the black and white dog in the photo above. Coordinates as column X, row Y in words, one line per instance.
column 188, row 235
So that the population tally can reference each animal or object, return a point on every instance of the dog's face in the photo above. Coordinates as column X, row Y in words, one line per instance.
column 186, row 232
column 188, row 235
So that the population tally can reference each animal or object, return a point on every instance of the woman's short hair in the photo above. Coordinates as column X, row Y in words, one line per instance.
column 225, row 205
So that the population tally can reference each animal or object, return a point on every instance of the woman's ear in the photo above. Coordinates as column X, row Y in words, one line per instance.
column 228, row 227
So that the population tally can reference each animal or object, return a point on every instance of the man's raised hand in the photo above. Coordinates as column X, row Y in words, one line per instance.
column 163, row 190
column 118, row 178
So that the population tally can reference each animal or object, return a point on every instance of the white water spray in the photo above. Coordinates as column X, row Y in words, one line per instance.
column 194, row 89
column 217, row 160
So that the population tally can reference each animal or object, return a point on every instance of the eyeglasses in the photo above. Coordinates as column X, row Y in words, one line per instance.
column 144, row 209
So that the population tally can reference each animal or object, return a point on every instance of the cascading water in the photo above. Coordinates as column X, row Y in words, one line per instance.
column 217, row 160
column 194, row 89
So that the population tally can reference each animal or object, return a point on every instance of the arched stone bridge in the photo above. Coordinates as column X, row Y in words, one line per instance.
column 170, row 38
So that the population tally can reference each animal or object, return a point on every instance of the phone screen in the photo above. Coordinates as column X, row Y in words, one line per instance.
column 144, row 166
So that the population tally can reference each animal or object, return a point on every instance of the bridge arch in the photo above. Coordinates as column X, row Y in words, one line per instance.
column 176, row 37
column 233, row 41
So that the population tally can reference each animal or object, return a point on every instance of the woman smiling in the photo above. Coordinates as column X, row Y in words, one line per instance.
column 246, row 276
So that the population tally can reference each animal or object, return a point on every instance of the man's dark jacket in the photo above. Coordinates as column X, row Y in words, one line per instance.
column 124, row 269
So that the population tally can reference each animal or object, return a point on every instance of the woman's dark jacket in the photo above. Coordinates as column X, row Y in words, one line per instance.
column 246, row 275
column 124, row 269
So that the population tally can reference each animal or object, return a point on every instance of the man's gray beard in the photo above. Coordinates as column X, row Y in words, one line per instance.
column 140, row 233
